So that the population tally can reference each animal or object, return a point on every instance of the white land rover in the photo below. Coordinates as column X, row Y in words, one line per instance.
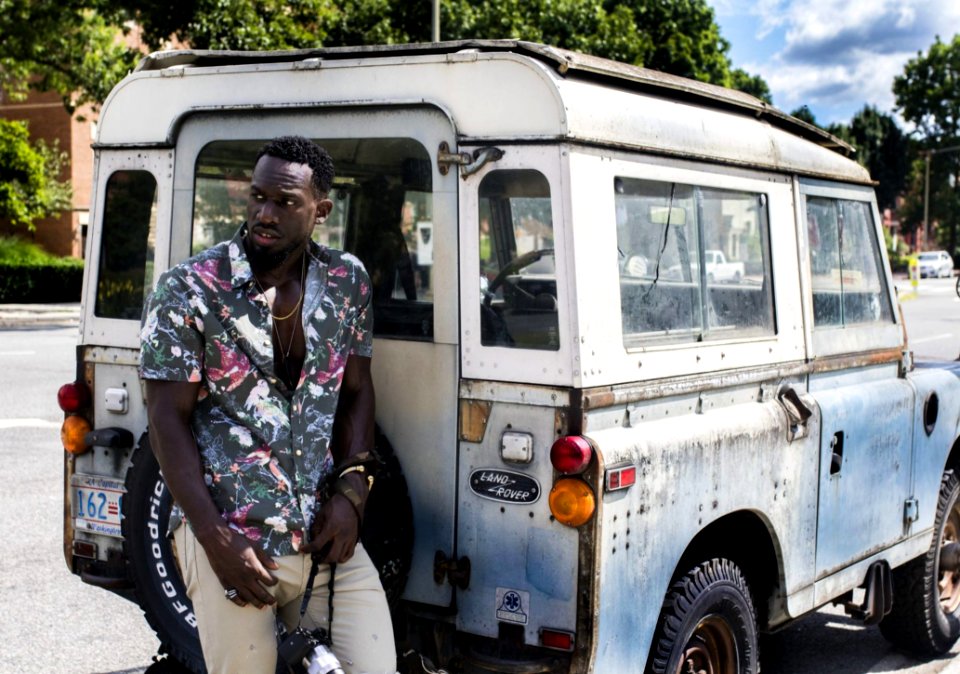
column 600, row 458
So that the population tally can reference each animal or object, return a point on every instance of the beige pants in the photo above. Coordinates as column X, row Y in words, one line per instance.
column 242, row 640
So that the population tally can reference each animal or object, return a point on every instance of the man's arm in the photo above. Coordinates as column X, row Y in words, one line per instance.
column 337, row 525
column 236, row 562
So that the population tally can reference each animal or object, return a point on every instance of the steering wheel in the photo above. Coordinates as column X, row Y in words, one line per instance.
column 512, row 267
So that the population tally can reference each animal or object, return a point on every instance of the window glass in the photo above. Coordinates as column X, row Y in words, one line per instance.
column 518, row 279
column 694, row 262
column 383, row 213
column 848, row 287
column 125, row 274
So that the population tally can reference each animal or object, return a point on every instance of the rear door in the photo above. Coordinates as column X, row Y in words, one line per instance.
column 397, row 212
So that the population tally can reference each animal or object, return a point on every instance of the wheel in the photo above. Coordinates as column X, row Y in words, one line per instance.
column 958, row 286
column 152, row 565
column 707, row 624
column 925, row 618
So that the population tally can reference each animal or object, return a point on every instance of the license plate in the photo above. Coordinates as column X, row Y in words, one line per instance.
column 97, row 503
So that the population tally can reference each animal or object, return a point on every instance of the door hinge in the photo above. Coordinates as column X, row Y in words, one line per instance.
column 456, row 571
column 469, row 163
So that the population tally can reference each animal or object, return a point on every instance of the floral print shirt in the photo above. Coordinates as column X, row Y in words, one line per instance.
column 264, row 448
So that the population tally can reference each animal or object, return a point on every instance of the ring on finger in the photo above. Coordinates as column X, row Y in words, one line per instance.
column 231, row 593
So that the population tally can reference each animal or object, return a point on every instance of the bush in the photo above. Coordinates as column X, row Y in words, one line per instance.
column 30, row 274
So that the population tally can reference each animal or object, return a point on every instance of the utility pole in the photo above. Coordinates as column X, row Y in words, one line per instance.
column 926, row 190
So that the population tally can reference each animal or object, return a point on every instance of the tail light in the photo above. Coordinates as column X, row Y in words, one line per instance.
column 571, row 454
column 73, row 397
column 572, row 501
column 73, row 434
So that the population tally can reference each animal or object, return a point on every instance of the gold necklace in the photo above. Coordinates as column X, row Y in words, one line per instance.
column 296, row 307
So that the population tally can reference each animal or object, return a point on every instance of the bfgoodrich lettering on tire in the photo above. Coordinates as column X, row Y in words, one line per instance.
column 926, row 600
column 707, row 624
column 152, row 564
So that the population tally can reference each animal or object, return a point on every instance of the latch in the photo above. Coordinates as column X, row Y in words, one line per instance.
column 469, row 163
column 797, row 412
column 911, row 511
column 456, row 571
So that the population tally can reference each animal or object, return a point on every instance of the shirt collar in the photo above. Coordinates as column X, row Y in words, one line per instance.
column 240, row 272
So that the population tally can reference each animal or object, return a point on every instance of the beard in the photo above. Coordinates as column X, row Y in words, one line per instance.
column 266, row 259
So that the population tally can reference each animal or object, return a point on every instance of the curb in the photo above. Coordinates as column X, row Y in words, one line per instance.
column 39, row 315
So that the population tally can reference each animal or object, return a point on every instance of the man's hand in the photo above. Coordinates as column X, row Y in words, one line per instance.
column 240, row 565
column 334, row 532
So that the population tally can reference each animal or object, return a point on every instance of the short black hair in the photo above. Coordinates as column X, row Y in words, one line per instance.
column 302, row 150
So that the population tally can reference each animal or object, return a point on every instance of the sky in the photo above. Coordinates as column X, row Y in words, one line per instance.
column 834, row 56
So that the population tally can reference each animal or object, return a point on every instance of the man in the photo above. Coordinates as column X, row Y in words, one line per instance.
column 256, row 356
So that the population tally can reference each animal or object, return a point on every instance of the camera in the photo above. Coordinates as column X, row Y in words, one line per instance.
column 308, row 652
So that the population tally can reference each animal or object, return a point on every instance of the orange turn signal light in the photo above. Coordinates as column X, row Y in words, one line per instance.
column 572, row 501
column 73, row 434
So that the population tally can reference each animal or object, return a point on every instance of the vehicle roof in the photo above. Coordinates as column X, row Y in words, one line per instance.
column 562, row 94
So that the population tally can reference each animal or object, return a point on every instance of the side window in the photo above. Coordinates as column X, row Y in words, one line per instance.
column 383, row 213
column 518, row 282
column 848, row 287
column 125, row 273
column 694, row 262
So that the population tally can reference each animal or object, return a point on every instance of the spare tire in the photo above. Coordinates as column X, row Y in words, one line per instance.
column 151, row 559
column 152, row 562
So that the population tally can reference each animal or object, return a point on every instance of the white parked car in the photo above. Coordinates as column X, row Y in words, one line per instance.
column 936, row 263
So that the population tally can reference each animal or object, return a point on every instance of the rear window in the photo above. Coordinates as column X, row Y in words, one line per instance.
column 125, row 272
column 382, row 213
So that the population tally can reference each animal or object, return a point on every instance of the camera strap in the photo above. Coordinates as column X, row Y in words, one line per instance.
column 314, row 569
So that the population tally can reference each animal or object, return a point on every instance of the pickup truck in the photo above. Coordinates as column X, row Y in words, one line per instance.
column 718, row 269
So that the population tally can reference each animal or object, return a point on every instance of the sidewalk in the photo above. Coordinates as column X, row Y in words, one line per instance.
column 39, row 315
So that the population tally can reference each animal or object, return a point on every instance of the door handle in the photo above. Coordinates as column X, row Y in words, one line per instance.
column 797, row 412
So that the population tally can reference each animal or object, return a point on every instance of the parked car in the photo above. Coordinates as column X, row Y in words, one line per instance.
column 592, row 466
column 935, row 263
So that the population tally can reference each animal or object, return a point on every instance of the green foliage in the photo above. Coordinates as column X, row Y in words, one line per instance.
column 928, row 96
column 64, row 46
column 882, row 148
column 30, row 274
column 803, row 113
column 751, row 84
column 71, row 46
column 29, row 176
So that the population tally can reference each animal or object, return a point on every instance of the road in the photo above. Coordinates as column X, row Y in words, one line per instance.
column 55, row 623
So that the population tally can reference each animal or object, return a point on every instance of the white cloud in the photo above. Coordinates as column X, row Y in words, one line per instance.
column 837, row 55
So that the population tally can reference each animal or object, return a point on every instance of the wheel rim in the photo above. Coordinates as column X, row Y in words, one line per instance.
column 711, row 649
column 949, row 581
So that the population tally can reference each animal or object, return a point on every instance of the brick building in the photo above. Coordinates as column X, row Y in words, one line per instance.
column 49, row 120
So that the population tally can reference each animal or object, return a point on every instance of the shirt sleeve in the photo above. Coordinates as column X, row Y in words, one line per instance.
column 363, row 318
column 171, row 338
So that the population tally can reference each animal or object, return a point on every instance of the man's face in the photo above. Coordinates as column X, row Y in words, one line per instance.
column 282, row 210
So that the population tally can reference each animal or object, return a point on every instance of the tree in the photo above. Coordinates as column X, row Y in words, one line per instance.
column 881, row 147
column 64, row 46
column 71, row 46
column 928, row 96
column 29, row 177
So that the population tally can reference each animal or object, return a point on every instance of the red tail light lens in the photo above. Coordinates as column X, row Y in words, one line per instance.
column 571, row 454
column 73, row 397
